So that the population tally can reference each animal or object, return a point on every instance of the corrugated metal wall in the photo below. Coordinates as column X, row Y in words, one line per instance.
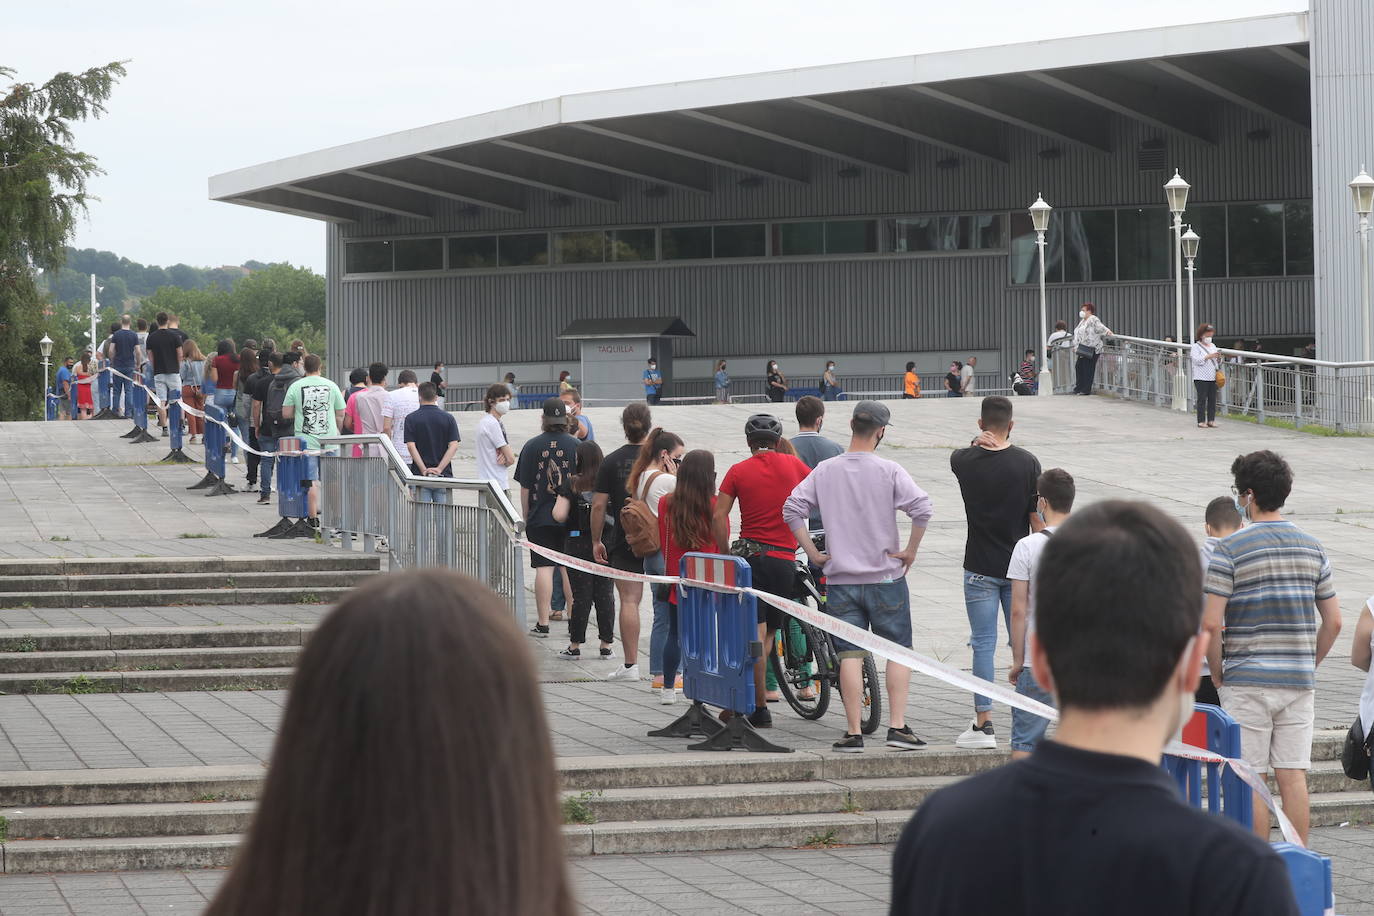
column 1343, row 125
column 860, row 305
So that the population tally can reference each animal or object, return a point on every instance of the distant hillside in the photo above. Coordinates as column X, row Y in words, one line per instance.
column 123, row 278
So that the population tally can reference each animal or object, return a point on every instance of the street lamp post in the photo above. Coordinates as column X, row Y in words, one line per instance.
column 1176, row 190
column 1040, row 220
column 1190, row 242
column 45, row 347
column 1362, row 189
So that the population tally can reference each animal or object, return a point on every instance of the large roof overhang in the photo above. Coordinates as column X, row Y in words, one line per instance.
column 776, row 126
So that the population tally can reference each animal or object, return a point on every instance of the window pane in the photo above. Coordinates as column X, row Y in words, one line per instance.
column 1256, row 232
column 524, row 250
column 367, row 258
column 1297, row 231
column 686, row 242
column 983, row 230
column 925, row 233
column 472, row 253
column 798, row 238
column 632, row 245
column 857, row 236
column 1025, row 257
column 1089, row 246
column 1210, row 224
column 1143, row 243
column 580, row 247
column 746, row 241
column 419, row 254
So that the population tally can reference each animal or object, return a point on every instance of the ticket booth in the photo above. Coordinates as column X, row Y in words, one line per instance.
column 615, row 351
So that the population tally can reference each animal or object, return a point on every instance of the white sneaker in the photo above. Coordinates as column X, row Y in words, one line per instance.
column 975, row 738
column 667, row 696
column 624, row 674
column 234, row 459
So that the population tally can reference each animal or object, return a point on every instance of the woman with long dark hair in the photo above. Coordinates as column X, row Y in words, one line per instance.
column 574, row 509
column 684, row 526
column 776, row 382
column 398, row 783
column 653, row 476
column 222, row 373
column 243, row 409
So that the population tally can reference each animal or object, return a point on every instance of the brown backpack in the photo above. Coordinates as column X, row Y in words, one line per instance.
column 640, row 524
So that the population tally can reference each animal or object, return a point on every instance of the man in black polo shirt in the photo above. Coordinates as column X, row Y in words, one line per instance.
column 1090, row 823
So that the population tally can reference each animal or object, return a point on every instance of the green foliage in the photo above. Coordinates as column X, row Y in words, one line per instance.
column 577, row 810
column 280, row 302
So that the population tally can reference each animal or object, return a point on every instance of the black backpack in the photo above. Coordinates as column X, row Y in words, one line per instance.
column 273, row 425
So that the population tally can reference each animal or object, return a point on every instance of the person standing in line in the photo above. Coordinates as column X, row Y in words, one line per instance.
column 653, row 383
column 400, row 404
column 123, row 356
column 967, row 382
column 761, row 483
column 514, row 390
column 653, row 476
column 574, row 511
column 609, row 499
column 85, row 378
column 368, row 408
column 911, row 382
column 1089, row 340
column 437, row 378
column 243, row 411
column 580, row 426
column 431, row 441
column 1054, row 501
column 357, row 381
column 282, row 373
column 1090, row 822
column 776, row 382
column 315, row 405
column 298, row 345
column 1361, row 653
column 62, row 387
column 164, row 347
column 545, row 461
column 1221, row 521
column 1205, row 357
column 954, row 380
column 192, row 376
column 830, row 386
column 722, row 379
column 143, row 365
column 221, row 373
column 494, row 454
column 859, row 494
column 998, row 484
column 1059, row 337
column 1273, row 615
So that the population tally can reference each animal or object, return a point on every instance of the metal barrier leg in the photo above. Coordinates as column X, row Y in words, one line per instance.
column 696, row 722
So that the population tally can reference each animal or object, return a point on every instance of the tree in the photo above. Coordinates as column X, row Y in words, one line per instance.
column 42, row 192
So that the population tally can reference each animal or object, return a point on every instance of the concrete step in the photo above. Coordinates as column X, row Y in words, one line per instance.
column 138, row 566
column 1332, row 809
column 146, row 681
column 155, row 582
column 135, row 660
column 318, row 594
column 129, row 785
column 97, row 639
column 81, row 822
column 120, row 854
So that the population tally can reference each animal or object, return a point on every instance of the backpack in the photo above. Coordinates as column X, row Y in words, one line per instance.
column 639, row 523
column 273, row 425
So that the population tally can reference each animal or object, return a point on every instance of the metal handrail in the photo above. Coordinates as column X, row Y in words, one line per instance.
column 1249, row 354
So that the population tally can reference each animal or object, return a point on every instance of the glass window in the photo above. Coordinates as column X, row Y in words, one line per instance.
column 798, row 238
column 1256, row 235
column 632, row 245
column 1143, row 243
column 1297, row 233
column 984, row 230
column 686, row 242
column 524, row 250
column 851, row 236
column 419, row 254
column 472, row 253
column 1089, row 246
column 924, row 233
column 739, row 241
column 1025, row 257
column 580, row 247
column 367, row 258
column 1209, row 222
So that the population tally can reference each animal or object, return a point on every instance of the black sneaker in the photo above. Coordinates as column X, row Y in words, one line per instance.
column 540, row 631
column 605, row 652
column 761, row 718
column 903, row 739
column 849, row 744
column 571, row 654
column 264, row 499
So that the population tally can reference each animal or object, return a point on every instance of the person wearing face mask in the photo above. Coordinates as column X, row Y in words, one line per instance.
column 954, row 384
column 722, row 383
column 1089, row 340
column 776, row 382
column 1204, row 357
column 1091, row 816
column 494, row 454
column 830, row 387
column 653, row 382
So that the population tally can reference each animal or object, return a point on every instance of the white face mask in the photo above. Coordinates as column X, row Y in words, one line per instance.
column 502, row 406
column 1083, row 313
column 653, row 365
column 1207, row 340
column 832, row 367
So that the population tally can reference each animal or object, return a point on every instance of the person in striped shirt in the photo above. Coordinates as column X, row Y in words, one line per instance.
column 1269, row 585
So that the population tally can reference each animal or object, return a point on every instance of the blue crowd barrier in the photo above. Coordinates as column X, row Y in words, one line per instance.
column 214, row 440
column 1212, row 728
column 50, row 405
column 720, row 646
column 290, row 469
column 174, row 414
column 1310, row 874
column 138, row 405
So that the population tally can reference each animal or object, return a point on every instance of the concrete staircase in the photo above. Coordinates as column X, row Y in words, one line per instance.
column 192, row 817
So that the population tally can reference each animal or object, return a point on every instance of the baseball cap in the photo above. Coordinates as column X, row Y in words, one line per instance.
column 873, row 412
column 554, row 408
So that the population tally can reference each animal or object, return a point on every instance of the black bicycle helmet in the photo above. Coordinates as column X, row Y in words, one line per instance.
column 763, row 425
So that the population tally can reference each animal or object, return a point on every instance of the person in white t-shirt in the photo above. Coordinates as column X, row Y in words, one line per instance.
column 1221, row 520
column 400, row 404
column 494, row 454
column 1054, row 501
column 653, row 477
column 967, row 383
column 1361, row 654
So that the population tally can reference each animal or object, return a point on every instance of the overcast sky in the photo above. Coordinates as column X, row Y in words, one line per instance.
column 216, row 86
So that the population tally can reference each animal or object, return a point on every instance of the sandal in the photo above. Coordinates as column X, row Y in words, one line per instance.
column 1202, row 426
column 556, row 615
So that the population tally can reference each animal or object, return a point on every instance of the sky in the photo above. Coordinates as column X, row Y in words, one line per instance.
column 216, row 86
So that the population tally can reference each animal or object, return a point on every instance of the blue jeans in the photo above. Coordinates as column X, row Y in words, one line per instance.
column 559, row 601
column 665, row 651
column 224, row 400
column 982, row 594
column 266, row 444
column 1027, row 729
column 883, row 607
column 432, row 494
column 121, row 398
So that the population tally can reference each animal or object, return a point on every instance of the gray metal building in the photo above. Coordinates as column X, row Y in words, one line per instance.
column 871, row 212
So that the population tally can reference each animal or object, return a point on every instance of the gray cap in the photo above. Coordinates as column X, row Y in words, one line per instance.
column 873, row 412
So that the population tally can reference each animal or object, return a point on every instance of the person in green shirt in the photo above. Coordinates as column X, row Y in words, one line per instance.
column 317, row 406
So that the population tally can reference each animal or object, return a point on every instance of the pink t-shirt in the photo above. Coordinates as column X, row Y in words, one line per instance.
column 365, row 409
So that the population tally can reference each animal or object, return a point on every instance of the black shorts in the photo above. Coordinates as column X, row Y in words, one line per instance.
column 623, row 558
column 777, row 577
column 550, row 536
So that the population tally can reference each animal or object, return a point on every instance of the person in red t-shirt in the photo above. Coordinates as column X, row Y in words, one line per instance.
column 762, row 483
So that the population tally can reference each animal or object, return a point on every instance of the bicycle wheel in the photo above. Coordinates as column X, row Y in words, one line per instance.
column 794, row 666
column 873, row 697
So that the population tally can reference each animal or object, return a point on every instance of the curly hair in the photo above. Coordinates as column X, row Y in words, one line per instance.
column 1266, row 475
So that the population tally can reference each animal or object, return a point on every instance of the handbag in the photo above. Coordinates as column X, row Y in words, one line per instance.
column 1084, row 351
column 1221, row 380
column 1355, row 754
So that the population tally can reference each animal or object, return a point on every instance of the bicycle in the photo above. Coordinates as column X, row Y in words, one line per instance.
column 804, row 660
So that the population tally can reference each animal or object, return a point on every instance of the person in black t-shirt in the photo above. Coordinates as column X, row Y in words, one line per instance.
column 997, row 480
column 545, row 461
column 1091, row 823
column 954, row 381
column 574, row 510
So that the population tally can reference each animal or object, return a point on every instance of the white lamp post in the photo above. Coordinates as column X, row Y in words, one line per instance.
column 1040, row 220
column 45, row 347
column 1362, row 189
column 1190, row 242
column 1176, row 190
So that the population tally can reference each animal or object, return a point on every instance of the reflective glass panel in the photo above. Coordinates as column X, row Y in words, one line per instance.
column 686, row 242
column 632, row 245
column 472, row 253
column 740, row 241
column 1297, row 233
column 419, row 254
column 524, row 250
column 367, row 257
column 1256, row 235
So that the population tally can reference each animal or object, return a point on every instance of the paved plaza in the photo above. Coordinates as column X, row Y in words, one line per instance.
column 77, row 490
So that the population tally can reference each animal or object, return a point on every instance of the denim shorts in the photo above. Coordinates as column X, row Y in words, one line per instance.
column 311, row 469
column 1028, row 729
column 883, row 607
column 167, row 386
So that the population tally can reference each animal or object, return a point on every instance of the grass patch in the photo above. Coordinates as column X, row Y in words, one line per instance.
column 24, row 645
column 825, row 840
column 212, row 797
column 59, row 537
column 82, row 684
column 4, row 828
column 1311, row 429
column 195, row 535
column 577, row 810
column 850, row 806
column 308, row 598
